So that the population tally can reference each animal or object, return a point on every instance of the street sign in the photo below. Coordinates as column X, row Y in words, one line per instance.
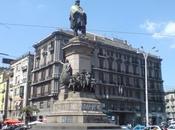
column 7, row 60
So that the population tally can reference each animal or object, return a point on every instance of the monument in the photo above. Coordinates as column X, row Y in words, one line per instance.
column 78, row 18
column 77, row 107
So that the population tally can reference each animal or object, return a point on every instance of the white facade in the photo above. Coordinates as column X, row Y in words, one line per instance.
column 170, row 104
column 18, row 84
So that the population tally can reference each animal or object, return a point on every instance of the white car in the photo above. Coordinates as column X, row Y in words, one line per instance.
column 35, row 122
column 153, row 127
column 171, row 127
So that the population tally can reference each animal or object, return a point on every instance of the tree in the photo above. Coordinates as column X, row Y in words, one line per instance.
column 28, row 112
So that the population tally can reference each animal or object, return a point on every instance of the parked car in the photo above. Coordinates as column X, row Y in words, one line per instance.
column 125, row 127
column 164, row 126
column 153, row 127
column 139, row 127
column 171, row 127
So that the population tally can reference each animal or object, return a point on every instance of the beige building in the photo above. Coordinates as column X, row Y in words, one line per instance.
column 170, row 104
column 3, row 88
column 19, row 82
column 119, row 73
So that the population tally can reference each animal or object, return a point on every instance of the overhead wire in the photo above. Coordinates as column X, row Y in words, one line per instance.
column 96, row 30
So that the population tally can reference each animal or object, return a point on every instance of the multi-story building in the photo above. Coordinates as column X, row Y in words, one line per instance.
column 3, row 88
column 19, row 84
column 170, row 104
column 119, row 73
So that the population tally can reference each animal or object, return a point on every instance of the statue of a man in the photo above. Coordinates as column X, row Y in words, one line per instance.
column 78, row 18
column 66, row 73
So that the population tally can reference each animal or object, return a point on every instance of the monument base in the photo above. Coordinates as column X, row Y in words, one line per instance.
column 79, row 107
column 85, row 126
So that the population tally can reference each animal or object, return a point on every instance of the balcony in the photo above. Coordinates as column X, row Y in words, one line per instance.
column 51, row 48
column 24, row 80
column 37, row 56
column 44, row 53
column 24, row 68
column 41, row 81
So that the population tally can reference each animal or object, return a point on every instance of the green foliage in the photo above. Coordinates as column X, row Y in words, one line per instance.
column 29, row 110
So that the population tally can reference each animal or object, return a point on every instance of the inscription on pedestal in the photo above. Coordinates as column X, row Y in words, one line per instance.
column 90, row 107
column 67, row 119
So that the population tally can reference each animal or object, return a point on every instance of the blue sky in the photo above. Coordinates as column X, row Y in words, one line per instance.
column 111, row 18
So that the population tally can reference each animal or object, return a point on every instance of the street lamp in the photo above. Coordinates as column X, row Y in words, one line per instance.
column 145, row 55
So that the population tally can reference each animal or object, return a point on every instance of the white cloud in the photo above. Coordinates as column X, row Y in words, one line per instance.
column 170, row 28
column 149, row 26
column 160, row 30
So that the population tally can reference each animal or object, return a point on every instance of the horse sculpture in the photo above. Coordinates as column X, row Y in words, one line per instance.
column 78, row 19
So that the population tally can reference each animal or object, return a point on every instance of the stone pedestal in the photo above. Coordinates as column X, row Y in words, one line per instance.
column 78, row 52
column 63, row 94
column 85, row 126
column 78, row 108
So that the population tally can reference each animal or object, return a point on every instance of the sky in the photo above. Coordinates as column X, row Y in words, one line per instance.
column 146, row 23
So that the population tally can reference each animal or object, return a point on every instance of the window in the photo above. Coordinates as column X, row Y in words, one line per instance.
column 143, row 71
column 127, row 81
column 136, row 82
column 50, row 71
column 37, row 61
column 150, row 72
column 43, row 73
column 118, row 67
column 21, row 91
column 51, row 47
column 36, row 77
column 110, row 62
column 39, row 91
column 101, row 63
column 41, row 105
column 34, row 91
column 134, row 69
column 137, row 94
column 111, row 81
column 48, row 104
column 42, row 90
column 101, row 76
column 118, row 55
column 49, row 88
column 100, row 51
column 126, row 68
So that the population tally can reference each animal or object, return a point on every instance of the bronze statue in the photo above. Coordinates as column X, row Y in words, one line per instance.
column 78, row 18
column 82, row 82
column 66, row 73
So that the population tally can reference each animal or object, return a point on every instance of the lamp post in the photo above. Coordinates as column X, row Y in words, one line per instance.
column 145, row 55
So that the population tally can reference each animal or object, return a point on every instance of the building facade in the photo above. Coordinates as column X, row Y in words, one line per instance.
column 3, row 91
column 19, row 84
column 170, row 104
column 46, row 72
column 119, row 73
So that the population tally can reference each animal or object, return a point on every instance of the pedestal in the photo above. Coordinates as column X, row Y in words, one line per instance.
column 78, row 108
column 79, row 52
